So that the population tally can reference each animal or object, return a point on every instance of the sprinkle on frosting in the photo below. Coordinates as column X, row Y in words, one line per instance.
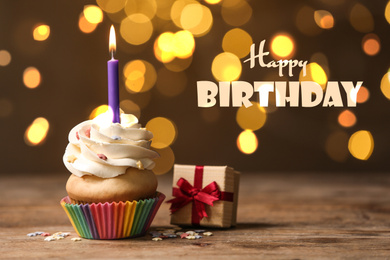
column 140, row 165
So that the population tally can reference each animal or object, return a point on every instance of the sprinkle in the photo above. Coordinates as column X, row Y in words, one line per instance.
column 31, row 234
column 190, row 237
column 77, row 136
column 50, row 238
column 200, row 230
column 75, row 239
column 157, row 239
column 115, row 137
column 45, row 234
column 207, row 234
column 140, row 165
column 184, row 235
column 88, row 132
column 197, row 236
column 102, row 156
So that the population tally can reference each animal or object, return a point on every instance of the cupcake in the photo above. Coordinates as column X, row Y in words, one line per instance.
column 112, row 190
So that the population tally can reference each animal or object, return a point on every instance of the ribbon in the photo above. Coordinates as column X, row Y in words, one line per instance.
column 199, row 196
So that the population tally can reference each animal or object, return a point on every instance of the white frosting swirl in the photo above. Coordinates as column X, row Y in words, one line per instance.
column 106, row 150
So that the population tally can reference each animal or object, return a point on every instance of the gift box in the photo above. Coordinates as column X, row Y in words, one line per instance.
column 204, row 196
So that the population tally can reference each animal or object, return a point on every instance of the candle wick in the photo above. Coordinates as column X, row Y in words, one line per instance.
column 112, row 54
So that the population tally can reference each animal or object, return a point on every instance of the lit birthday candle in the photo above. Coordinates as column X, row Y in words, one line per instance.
column 113, row 79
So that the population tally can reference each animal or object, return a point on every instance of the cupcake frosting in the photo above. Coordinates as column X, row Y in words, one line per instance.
column 104, row 149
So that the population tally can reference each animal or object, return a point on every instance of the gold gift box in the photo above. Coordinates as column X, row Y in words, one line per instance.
column 222, row 214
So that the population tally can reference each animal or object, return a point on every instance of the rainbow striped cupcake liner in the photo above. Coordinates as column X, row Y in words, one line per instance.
column 112, row 220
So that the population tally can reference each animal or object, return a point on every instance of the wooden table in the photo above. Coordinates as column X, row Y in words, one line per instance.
column 280, row 216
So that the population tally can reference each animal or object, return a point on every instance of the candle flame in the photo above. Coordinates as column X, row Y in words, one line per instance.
column 112, row 44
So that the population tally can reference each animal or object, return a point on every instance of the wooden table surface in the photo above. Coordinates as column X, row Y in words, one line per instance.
column 280, row 216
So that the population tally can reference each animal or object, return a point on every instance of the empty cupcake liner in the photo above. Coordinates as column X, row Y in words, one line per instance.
column 112, row 220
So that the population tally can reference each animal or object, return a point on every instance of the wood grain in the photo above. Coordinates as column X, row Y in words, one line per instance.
column 280, row 216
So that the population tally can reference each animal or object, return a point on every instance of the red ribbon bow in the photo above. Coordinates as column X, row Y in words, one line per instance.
column 187, row 193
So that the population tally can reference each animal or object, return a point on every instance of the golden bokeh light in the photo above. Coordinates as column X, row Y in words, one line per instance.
column 247, row 142
column 31, row 77
column 336, row 146
column 197, row 19
column 387, row 12
column 145, row 7
column 170, row 45
column 361, row 18
column 324, row 19
column 165, row 162
column 251, row 118
column 136, row 29
column 140, row 76
column 347, row 118
column 238, row 42
column 316, row 73
column 41, row 32
column 98, row 111
column 213, row 2
column 361, row 144
column 130, row 107
column 177, row 8
column 236, row 12
column 164, row 132
column 163, row 47
column 371, row 44
column 111, row 6
column 36, row 133
column 305, row 21
column 385, row 85
column 5, row 58
column 226, row 67
column 363, row 95
column 6, row 108
column 168, row 87
column 93, row 14
column 85, row 26
column 183, row 44
column 282, row 46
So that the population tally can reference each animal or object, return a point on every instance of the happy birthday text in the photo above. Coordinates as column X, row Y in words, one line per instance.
column 292, row 93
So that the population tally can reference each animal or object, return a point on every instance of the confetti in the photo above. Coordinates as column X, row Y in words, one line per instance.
column 39, row 232
column 157, row 239
column 200, row 230
column 50, row 238
column 75, row 239
column 45, row 234
column 190, row 237
column 207, row 234
column 102, row 156
column 31, row 234
column 184, row 235
column 198, row 236
column 191, row 233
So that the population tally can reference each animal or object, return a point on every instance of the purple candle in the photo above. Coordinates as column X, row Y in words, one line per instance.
column 113, row 79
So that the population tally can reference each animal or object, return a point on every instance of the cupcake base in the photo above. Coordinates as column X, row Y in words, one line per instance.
column 112, row 220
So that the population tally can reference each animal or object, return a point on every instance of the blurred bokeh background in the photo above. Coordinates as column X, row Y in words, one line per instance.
column 53, row 58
